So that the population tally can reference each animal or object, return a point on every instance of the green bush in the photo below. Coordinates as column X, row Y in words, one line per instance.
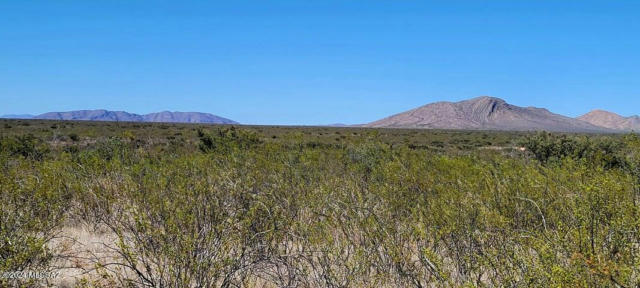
column 74, row 137
column 227, row 139
column 27, row 146
column 34, row 204
column 547, row 147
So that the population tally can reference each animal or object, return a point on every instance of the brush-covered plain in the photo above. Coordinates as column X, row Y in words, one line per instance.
column 179, row 205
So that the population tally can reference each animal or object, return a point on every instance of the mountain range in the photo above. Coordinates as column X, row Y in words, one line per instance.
column 490, row 113
column 481, row 113
column 106, row 115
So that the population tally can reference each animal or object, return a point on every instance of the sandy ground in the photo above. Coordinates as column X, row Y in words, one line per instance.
column 80, row 246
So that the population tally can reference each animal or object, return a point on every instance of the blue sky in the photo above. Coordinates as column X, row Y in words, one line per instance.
column 316, row 62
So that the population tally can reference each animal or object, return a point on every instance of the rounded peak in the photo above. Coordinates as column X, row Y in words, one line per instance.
column 89, row 110
column 597, row 111
column 602, row 112
column 486, row 99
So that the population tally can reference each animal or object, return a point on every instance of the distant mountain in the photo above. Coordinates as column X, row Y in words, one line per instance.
column 166, row 116
column 92, row 115
column 485, row 113
column 612, row 120
column 186, row 117
column 17, row 116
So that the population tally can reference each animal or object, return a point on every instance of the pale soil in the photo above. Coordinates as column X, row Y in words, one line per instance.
column 82, row 247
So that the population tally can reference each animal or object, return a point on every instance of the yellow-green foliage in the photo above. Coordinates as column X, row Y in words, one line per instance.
column 34, row 198
column 242, row 210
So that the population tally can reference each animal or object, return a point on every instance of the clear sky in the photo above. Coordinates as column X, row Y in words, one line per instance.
column 316, row 62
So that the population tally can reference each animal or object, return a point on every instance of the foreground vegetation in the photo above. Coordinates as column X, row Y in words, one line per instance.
column 208, row 206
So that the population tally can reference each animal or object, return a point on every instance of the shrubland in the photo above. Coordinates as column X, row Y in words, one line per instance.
column 238, row 208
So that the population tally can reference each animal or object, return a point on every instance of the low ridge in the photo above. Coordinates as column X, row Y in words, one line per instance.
column 612, row 120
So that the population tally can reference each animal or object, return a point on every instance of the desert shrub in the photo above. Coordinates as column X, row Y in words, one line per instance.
column 547, row 147
column 439, row 144
column 227, row 139
column 74, row 137
column 72, row 149
column 111, row 148
column 27, row 146
column 299, row 211
column 128, row 135
column 364, row 215
column 367, row 155
column 632, row 153
column 112, row 151
column 203, row 228
column 34, row 204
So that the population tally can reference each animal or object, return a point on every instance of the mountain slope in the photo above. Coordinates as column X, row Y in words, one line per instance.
column 612, row 120
column 186, row 117
column 93, row 115
column 166, row 116
column 485, row 113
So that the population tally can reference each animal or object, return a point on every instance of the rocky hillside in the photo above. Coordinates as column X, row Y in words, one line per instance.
column 485, row 113
column 612, row 120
